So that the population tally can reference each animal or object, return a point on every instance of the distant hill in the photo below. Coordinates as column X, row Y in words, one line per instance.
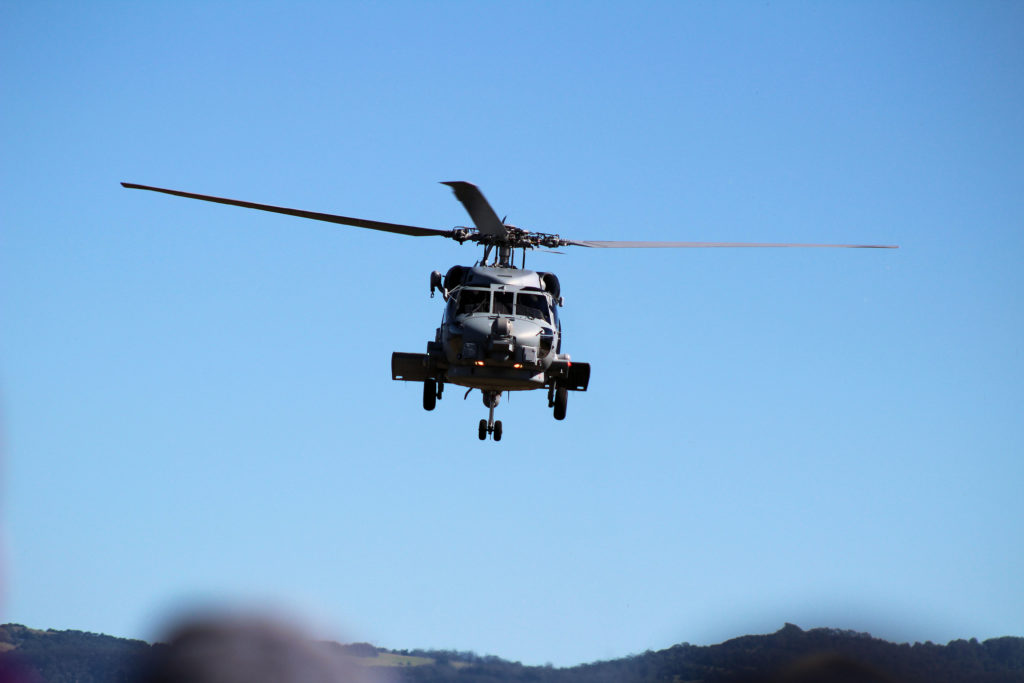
column 789, row 655
column 56, row 656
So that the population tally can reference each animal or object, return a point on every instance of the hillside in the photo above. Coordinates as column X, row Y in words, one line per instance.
column 790, row 654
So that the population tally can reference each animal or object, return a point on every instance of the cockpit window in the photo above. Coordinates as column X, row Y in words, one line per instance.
column 503, row 303
column 474, row 301
column 532, row 306
column 524, row 304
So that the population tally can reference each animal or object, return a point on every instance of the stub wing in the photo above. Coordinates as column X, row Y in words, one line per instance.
column 571, row 375
column 412, row 367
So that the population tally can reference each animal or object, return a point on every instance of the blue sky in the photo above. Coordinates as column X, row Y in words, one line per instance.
column 196, row 403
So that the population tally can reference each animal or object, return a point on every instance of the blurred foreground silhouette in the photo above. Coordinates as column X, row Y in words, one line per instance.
column 226, row 649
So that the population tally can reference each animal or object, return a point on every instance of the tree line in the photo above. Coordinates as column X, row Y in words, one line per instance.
column 788, row 655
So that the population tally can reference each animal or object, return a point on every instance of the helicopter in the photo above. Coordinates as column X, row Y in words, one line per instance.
column 500, row 330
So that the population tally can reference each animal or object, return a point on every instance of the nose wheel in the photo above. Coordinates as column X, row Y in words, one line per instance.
column 490, row 425
column 493, row 429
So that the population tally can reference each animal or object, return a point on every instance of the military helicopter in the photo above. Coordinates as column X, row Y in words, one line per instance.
column 500, row 330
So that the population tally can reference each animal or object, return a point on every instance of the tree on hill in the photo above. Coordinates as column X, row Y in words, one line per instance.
column 73, row 656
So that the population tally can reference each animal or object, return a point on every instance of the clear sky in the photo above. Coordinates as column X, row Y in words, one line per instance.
column 196, row 399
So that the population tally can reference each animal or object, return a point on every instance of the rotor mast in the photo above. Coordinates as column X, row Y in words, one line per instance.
column 491, row 230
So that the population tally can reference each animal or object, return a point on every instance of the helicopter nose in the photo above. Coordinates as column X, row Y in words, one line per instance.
column 527, row 329
column 476, row 327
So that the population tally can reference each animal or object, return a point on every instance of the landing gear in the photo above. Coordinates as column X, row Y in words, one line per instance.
column 432, row 391
column 494, row 430
column 489, row 426
column 429, row 394
column 560, row 402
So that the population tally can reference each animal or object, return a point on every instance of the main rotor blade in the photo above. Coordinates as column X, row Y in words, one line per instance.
column 484, row 218
column 614, row 244
column 330, row 218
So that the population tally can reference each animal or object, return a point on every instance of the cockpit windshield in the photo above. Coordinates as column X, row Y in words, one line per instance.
column 474, row 301
column 503, row 303
column 525, row 304
column 532, row 306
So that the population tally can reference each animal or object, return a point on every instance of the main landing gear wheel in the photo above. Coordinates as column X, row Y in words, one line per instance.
column 561, row 401
column 483, row 430
column 429, row 394
column 497, row 430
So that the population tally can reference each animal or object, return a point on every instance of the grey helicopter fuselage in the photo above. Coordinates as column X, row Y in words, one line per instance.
column 499, row 332
column 500, row 329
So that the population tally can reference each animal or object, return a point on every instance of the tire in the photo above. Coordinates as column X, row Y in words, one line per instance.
column 561, row 402
column 429, row 394
column 497, row 430
column 482, row 431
